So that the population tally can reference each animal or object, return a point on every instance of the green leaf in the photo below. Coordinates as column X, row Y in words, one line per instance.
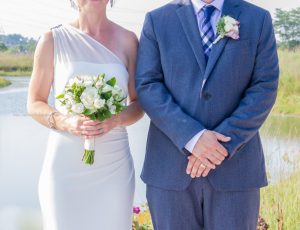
column 106, row 95
column 221, row 26
column 88, row 112
column 93, row 117
column 102, row 75
column 107, row 114
column 112, row 82
column 60, row 96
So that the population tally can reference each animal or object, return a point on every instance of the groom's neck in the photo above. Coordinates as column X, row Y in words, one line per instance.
column 207, row 1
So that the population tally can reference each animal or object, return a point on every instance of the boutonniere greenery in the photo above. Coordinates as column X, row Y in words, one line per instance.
column 227, row 27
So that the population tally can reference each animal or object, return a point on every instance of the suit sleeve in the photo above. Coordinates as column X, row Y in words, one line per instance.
column 260, row 96
column 155, row 98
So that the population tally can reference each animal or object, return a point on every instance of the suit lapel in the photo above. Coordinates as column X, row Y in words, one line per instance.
column 230, row 8
column 189, row 23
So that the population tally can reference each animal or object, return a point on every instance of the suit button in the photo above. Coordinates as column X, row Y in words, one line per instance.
column 206, row 95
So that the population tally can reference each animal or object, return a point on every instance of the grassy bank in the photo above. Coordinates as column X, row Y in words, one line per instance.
column 288, row 100
column 4, row 82
column 280, row 205
column 15, row 64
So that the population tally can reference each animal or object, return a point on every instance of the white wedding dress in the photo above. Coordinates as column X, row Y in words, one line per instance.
column 73, row 195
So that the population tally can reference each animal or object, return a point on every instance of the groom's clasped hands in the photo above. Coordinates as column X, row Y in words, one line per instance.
column 207, row 153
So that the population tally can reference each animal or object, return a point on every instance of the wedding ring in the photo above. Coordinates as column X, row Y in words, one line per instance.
column 202, row 166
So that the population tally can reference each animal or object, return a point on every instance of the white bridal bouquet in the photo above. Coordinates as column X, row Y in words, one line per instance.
column 95, row 98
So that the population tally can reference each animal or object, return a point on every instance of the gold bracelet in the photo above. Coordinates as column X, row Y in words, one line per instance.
column 51, row 120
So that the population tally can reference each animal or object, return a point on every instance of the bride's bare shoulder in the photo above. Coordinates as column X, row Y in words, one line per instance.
column 128, row 37
column 45, row 43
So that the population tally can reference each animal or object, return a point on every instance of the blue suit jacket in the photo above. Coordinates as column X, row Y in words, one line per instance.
column 241, row 86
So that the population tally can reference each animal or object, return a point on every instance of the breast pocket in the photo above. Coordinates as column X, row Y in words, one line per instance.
column 238, row 58
column 238, row 46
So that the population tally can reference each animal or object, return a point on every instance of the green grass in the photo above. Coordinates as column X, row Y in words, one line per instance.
column 280, row 203
column 288, row 100
column 15, row 64
column 4, row 82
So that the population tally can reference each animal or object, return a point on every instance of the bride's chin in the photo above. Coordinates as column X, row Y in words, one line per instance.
column 95, row 1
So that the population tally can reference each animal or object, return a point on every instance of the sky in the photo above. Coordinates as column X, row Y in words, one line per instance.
column 32, row 18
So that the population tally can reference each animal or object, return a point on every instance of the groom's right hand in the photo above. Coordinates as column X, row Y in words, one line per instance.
column 209, row 150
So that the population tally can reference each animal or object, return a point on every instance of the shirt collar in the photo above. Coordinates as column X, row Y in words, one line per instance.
column 199, row 4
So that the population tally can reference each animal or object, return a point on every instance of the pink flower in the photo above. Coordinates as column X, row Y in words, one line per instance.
column 136, row 210
column 233, row 34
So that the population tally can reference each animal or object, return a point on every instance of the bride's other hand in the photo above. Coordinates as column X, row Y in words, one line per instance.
column 82, row 126
column 102, row 127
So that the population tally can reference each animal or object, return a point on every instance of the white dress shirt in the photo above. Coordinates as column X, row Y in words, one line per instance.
column 198, row 5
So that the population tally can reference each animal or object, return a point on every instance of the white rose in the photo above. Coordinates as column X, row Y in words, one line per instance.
column 236, row 28
column 71, row 81
column 228, row 27
column 88, row 97
column 107, row 88
column 99, row 84
column 229, row 20
column 68, row 104
column 86, row 80
column 88, row 83
column 112, row 109
column 95, row 78
column 78, row 81
column 99, row 103
column 69, row 99
column 110, row 102
column 78, row 108
column 68, row 95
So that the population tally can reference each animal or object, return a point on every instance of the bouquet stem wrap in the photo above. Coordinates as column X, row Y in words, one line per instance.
column 89, row 151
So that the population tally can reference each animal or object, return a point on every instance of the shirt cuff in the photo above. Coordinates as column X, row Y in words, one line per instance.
column 191, row 144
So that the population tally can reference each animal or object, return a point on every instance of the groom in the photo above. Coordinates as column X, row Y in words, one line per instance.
column 204, row 163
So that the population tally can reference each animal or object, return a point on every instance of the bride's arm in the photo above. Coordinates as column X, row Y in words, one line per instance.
column 39, row 89
column 133, row 111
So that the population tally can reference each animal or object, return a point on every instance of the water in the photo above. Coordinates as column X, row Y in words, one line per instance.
column 23, row 143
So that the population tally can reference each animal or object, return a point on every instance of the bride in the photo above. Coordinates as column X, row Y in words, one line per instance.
column 73, row 195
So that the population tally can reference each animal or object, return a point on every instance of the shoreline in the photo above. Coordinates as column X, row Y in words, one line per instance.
column 25, row 75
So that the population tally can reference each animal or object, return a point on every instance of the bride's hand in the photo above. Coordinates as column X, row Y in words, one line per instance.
column 82, row 126
column 107, row 125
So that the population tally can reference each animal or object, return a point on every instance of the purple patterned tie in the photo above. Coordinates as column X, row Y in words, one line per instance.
column 206, row 30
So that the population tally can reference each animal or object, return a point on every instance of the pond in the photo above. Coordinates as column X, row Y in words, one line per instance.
column 23, row 143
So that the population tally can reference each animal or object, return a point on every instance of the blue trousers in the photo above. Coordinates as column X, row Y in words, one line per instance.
column 200, row 207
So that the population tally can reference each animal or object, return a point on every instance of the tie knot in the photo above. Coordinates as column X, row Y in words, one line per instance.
column 208, row 11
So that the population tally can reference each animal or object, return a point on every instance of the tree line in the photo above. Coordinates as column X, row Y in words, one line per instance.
column 287, row 28
column 16, row 43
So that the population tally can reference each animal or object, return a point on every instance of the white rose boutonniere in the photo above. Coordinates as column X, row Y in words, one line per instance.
column 227, row 27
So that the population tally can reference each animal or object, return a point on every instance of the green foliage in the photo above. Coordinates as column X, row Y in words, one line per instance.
column 280, row 205
column 16, row 43
column 3, row 47
column 287, row 27
column 112, row 82
column 221, row 26
column 60, row 96
column 15, row 64
column 4, row 82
